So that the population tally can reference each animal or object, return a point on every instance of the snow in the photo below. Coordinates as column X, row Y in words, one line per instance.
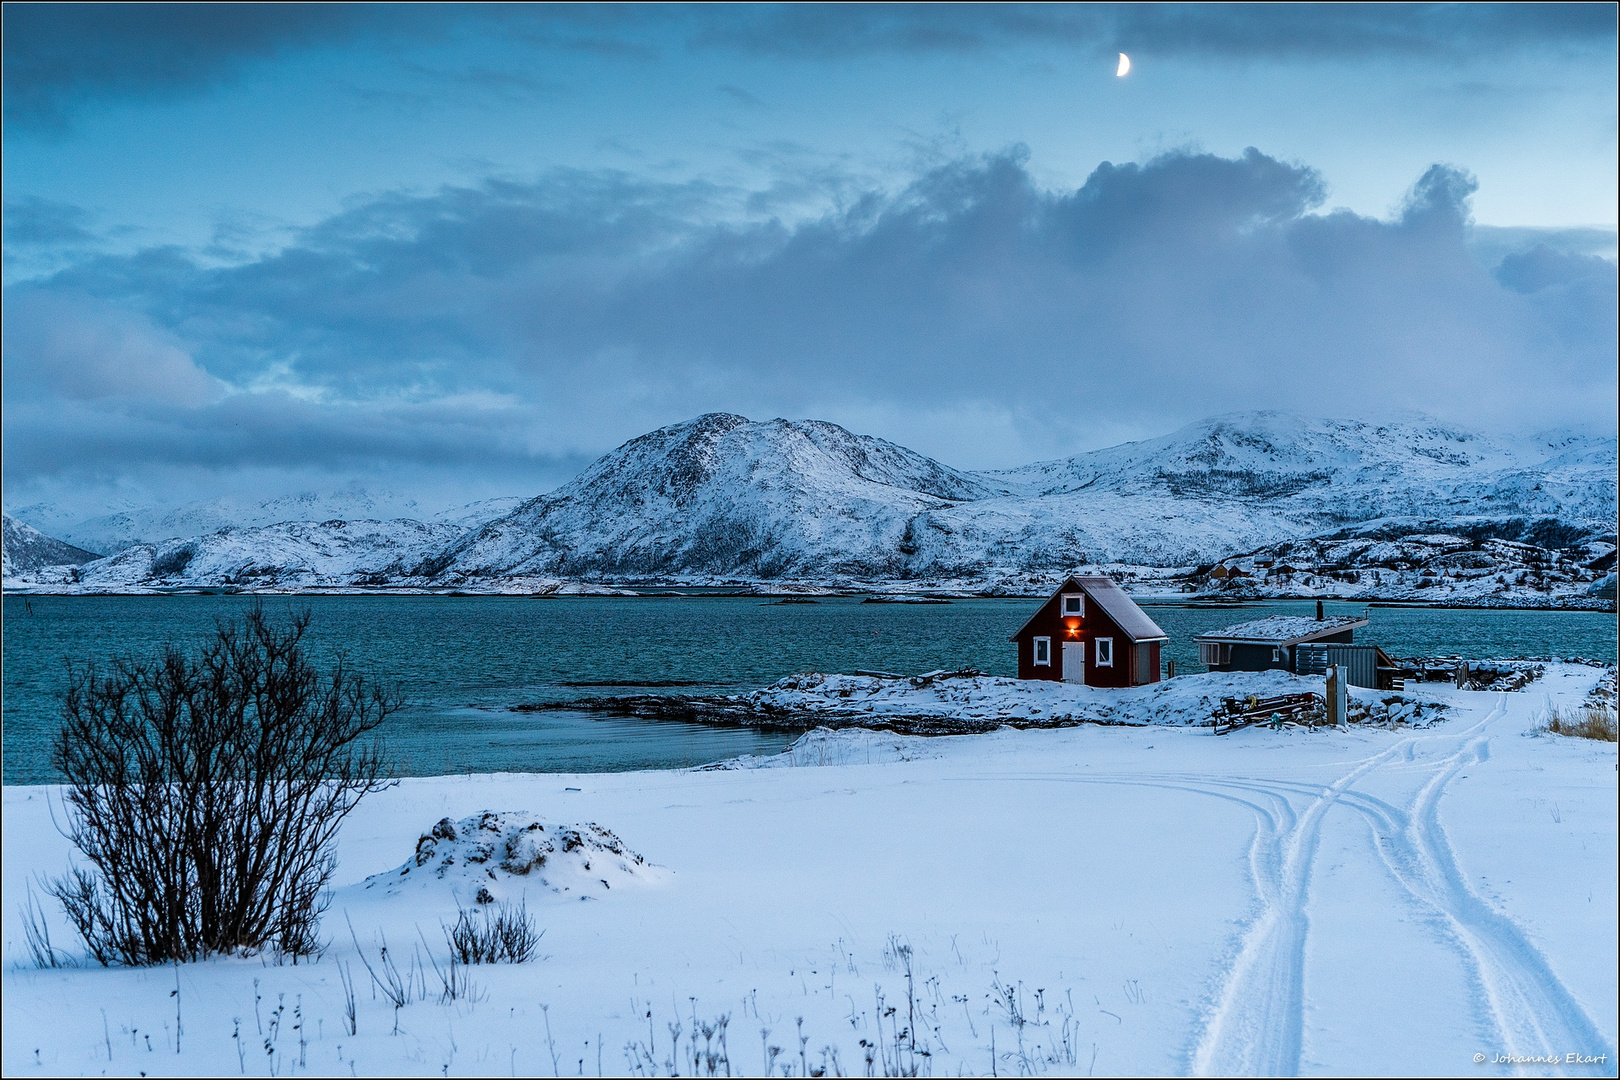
column 498, row 856
column 1148, row 899
column 1191, row 699
column 1283, row 628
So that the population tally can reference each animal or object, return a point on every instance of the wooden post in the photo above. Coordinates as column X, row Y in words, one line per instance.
column 1172, row 670
column 1334, row 709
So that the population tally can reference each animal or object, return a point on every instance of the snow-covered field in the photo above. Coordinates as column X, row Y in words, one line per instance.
column 1085, row 900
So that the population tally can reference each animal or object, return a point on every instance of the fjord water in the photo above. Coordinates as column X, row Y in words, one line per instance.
column 462, row 662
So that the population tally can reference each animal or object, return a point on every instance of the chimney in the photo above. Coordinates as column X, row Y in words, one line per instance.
column 1319, row 611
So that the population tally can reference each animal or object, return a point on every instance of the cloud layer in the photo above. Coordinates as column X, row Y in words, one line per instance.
column 512, row 329
column 59, row 57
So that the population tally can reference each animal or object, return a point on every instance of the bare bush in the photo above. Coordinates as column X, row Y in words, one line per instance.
column 496, row 934
column 206, row 791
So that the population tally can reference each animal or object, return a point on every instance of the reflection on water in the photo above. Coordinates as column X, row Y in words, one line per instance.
column 462, row 660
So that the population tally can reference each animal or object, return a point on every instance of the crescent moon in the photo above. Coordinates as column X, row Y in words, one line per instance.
column 1124, row 66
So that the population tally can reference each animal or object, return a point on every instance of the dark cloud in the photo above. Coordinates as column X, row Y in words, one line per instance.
column 485, row 328
column 1542, row 267
column 33, row 221
column 1308, row 31
column 59, row 56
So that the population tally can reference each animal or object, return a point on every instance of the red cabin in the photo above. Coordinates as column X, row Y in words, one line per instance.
column 1090, row 632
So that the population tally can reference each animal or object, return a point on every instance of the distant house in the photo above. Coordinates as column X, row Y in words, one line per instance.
column 1299, row 644
column 1090, row 632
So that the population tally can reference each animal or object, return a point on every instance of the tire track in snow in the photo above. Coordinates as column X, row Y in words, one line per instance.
column 1534, row 1012
column 1257, row 1027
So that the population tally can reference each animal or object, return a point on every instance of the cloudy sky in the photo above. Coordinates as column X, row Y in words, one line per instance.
column 459, row 251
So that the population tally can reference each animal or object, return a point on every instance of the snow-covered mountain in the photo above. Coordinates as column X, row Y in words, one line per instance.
column 131, row 524
column 289, row 555
column 24, row 549
column 724, row 499
column 723, row 496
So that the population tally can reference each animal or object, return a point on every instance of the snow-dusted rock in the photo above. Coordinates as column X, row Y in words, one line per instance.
column 512, row 855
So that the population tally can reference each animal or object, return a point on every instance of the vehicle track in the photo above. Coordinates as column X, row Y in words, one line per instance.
column 1257, row 1025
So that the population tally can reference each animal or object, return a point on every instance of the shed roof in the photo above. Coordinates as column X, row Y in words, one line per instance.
column 1106, row 594
column 1283, row 630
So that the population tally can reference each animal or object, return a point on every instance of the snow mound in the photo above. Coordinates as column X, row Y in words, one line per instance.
column 508, row 856
column 845, row 746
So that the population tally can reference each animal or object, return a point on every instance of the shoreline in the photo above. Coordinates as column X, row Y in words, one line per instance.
column 663, row 592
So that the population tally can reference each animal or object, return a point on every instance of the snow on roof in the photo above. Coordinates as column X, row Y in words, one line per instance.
column 1103, row 591
column 1121, row 608
column 1283, row 629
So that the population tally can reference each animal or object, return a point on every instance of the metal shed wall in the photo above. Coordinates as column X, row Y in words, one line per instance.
column 1359, row 662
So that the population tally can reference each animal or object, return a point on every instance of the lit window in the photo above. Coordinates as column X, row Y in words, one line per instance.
column 1074, row 604
column 1043, row 652
column 1105, row 652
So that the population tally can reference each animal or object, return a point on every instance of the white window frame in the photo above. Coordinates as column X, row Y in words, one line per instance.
column 1108, row 641
column 1035, row 651
column 1276, row 655
column 1063, row 605
column 1214, row 653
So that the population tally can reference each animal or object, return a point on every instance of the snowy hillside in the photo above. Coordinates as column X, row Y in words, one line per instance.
column 288, row 555
column 132, row 524
column 724, row 500
column 24, row 549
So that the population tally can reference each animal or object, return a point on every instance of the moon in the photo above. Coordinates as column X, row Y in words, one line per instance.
column 1124, row 66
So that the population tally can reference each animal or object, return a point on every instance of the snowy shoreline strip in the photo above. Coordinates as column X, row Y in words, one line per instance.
column 959, row 703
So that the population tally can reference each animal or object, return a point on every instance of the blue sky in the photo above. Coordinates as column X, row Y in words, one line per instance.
column 462, row 251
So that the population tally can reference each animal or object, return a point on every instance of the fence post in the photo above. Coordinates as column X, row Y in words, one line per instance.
column 1334, row 709
column 1341, row 696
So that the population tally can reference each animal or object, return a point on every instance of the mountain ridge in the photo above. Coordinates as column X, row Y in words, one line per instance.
column 721, row 498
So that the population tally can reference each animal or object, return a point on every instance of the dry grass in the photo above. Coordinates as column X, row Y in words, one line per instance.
column 1591, row 722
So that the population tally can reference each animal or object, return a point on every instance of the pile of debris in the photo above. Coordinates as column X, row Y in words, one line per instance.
column 1493, row 675
column 1309, row 711
column 1296, row 710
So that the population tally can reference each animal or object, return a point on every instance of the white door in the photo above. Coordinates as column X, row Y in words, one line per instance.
column 1074, row 661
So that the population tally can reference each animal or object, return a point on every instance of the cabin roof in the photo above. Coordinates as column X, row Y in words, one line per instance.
column 1281, row 630
column 1132, row 621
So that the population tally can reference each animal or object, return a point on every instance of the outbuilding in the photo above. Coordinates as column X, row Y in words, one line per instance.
column 1299, row 644
column 1090, row 632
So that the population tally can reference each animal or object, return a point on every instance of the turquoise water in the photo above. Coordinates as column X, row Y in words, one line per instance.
column 462, row 661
